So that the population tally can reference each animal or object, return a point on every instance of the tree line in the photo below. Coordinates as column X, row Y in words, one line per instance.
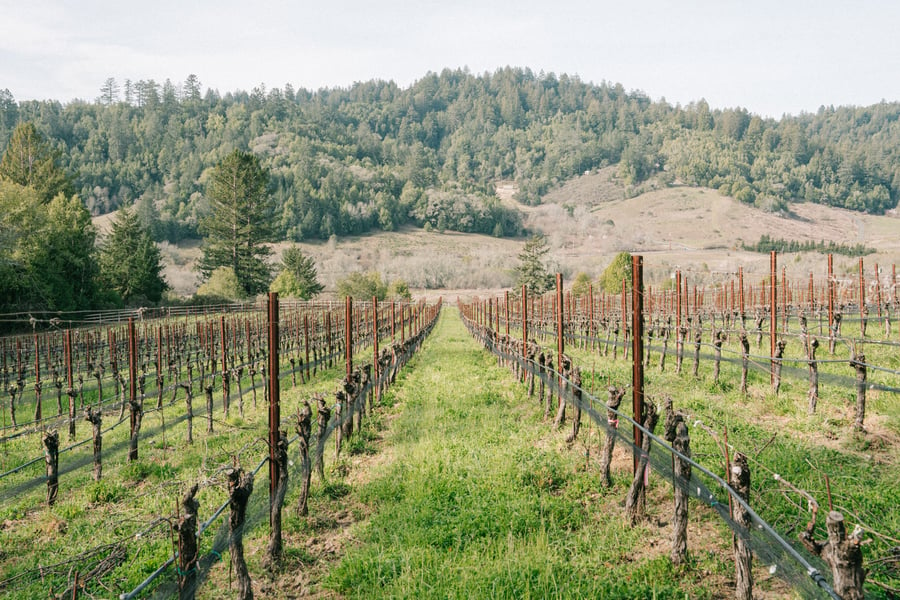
column 767, row 244
column 378, row 156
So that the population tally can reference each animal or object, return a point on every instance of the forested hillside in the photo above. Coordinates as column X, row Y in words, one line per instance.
column 375, row 155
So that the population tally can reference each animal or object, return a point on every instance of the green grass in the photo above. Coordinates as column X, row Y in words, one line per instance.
column 477, row 502
column 779, row 436
column 131, row 496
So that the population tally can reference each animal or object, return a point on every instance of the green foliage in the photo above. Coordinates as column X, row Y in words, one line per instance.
column 767, row 244
column 347, row 161
column 31, row 162
column 237, row 224
column 104, row 492
column 362, row 286
column 130, row 262
column 581, row 284
column 47, row 259
column 298, row 277
column 399, row 290
column 619, row 269
column 222, row 284
column 531, row 270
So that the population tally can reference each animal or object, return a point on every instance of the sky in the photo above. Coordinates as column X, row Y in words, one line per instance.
column 770, row 57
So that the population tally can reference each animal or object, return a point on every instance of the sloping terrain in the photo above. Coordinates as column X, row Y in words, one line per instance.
column 588, row 221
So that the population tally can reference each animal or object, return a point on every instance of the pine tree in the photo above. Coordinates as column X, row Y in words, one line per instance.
column 130, row 263
column 531, row 271
column 237, row 225
column 298, row 277
column 31, row 162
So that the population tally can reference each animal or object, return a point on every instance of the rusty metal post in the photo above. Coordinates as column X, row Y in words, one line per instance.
column 524, row 322
column 624, row 318
column 348, row 335
column 773, row 312
column 37, row 380
column 591, row 314
column 274, row 406
column 830, row 291
column 560, row 331
column 506, row 298
column 224, row 367
column 637, row 353
column 375, row 345
column 862, row 297
column 784, row 299
column 132, row 385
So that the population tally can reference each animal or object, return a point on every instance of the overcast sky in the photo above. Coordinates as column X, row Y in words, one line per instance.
column 769, row 56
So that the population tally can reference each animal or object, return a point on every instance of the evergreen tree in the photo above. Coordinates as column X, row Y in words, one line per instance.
column 237, row 225
column 531, row 271
column 62, row 262
column 130, row 263
column 298, row 277
column 30, row 161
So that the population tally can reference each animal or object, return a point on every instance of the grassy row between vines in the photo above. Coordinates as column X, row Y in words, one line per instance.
column 475, row 497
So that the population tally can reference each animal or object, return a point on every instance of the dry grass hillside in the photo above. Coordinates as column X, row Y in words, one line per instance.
column 588, row 221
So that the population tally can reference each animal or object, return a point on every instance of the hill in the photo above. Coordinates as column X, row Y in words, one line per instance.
column 694, row 229
column 376, row 157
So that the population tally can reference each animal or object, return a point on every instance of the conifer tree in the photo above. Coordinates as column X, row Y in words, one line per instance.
column 130, row 263
column 237, row 225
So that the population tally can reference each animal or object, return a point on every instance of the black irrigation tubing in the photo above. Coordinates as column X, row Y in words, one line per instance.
column 222, row 536
column 550, row 377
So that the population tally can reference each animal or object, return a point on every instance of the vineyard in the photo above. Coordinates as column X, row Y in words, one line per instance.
column 741, row 408
column 142, row 481
column 108, row 490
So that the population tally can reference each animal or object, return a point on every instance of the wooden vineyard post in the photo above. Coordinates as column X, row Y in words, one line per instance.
column 637, row 354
